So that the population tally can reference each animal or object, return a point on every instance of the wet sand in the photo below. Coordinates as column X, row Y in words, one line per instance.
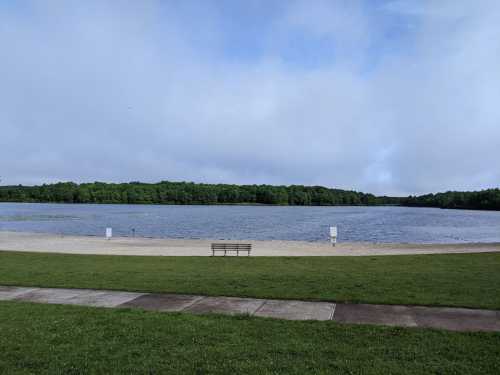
column 50, row 243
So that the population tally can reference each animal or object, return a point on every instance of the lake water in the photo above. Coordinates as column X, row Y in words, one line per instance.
column 373, row 224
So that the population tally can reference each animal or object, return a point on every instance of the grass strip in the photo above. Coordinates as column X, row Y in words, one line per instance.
column 468, row 280
column 52, row 339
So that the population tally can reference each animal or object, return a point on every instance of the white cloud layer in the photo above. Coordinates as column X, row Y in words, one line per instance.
column 406, row 102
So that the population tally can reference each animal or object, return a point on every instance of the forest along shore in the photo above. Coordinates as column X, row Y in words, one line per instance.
column 167, row 192
column 41, row 242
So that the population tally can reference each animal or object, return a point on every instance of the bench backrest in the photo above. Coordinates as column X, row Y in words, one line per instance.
column 232, row 246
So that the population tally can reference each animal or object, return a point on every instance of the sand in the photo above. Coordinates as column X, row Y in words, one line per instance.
column 50, row 243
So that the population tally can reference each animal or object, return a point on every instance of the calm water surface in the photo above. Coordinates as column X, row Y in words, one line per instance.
column 374, row 224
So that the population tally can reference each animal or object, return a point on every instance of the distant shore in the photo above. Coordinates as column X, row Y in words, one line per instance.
column 50, row 243
column 187, row 193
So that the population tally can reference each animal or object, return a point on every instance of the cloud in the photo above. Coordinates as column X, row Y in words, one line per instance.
column 342, row 94
column 445, row 92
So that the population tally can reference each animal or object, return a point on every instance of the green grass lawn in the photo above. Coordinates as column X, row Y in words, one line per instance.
column 52, row 339
column 471, row 280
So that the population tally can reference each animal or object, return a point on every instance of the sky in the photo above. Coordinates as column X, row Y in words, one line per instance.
column 391, row 97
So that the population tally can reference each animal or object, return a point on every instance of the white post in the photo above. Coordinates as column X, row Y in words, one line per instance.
column 333, row 235
column 109, row 233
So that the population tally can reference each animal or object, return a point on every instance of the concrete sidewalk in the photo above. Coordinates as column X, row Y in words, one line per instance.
column 456, row 319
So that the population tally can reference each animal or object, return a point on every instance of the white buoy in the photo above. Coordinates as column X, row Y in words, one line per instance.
column 109, row 233
column 333, row 235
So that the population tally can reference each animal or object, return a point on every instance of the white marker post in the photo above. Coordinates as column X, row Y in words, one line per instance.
column 333, row 235
column 109, row 233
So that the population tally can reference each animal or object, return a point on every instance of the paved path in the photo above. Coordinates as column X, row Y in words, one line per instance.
column 456, row 319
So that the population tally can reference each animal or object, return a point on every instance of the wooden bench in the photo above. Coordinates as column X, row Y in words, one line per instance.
column 227, row 247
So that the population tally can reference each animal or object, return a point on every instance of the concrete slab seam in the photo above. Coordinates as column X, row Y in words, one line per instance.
column 133, row 299
column 333, row 311
column 24, row 292
column 260, row 307
column 195, row 301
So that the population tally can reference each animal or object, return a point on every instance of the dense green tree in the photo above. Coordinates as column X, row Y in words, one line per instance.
column 479, row 200
column 167, row 192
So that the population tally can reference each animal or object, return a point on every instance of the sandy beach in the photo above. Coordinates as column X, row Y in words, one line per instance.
column 50, row 243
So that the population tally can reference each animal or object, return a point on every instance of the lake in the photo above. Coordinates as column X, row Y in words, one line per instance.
column 372, row 224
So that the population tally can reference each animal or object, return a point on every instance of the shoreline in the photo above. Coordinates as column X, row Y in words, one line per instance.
column 145, row 246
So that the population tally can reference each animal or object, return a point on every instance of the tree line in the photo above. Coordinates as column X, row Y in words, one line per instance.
column 477, row 200
column 167, row 192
